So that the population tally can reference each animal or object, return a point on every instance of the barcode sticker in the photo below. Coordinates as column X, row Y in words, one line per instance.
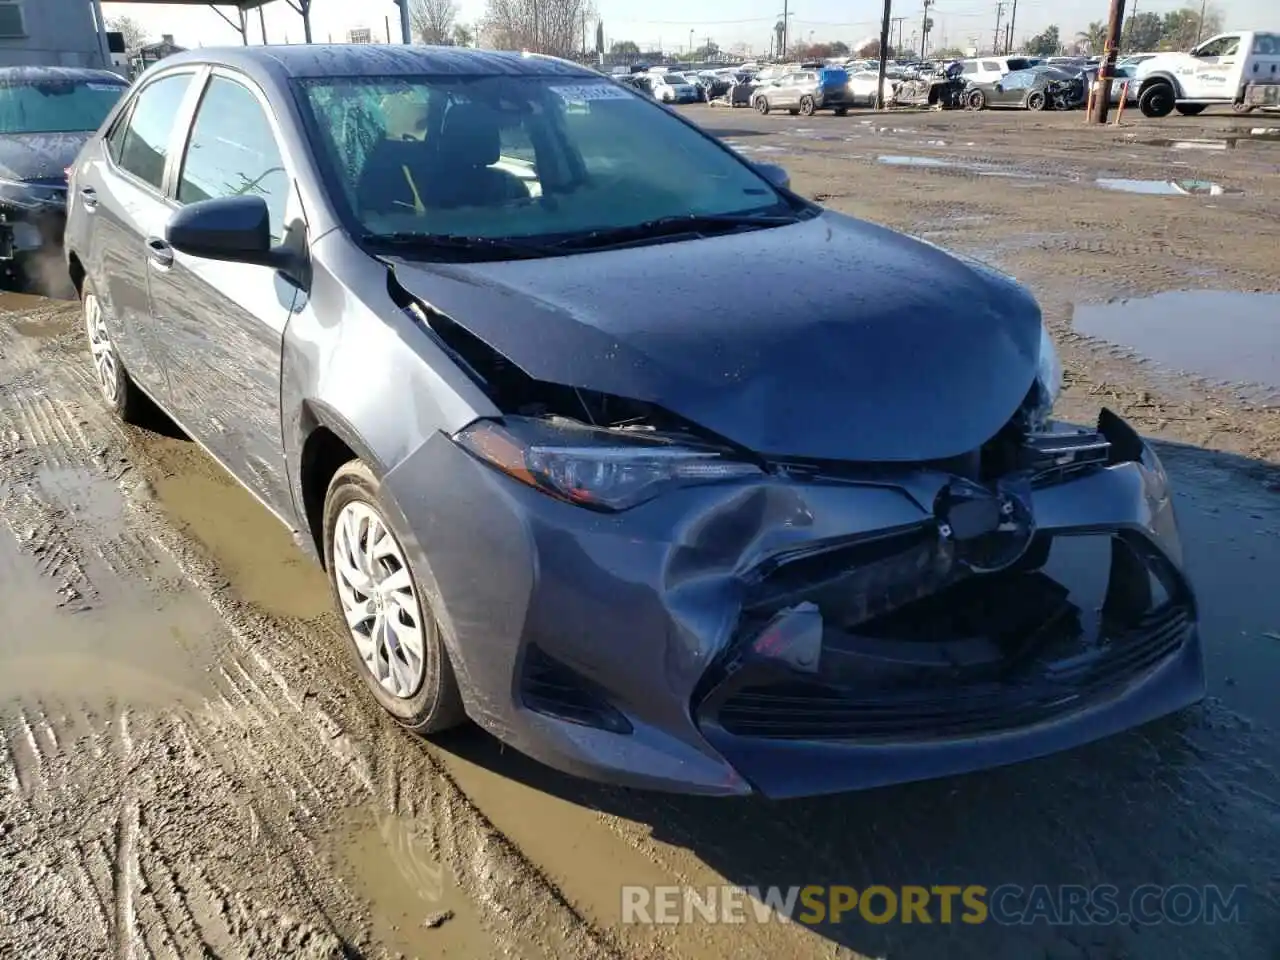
column 581, row 93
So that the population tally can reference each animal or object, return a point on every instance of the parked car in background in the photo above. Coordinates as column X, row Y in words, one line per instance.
column 805, row 92
column 673, row 88
column 862, row 88
column 991, row 69
column 46, row 115
column 1037, row 88
column 1123, row 84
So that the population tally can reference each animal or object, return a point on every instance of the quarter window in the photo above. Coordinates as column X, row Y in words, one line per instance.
column 232, row 152
column 145, row 144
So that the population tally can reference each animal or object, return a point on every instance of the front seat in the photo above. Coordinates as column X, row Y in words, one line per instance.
column 461, row 176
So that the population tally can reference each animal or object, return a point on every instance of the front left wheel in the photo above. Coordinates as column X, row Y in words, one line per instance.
column 117, row 388
column 392, row 636
column 807, row 106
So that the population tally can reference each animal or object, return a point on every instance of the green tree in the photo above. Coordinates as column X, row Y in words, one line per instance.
column 463, row 35
column 1045, row 44
column 625, row 47
column 949, row 53
column 1094, row 37
column 1182, row 29
column 1142, row 32
column 135, row 34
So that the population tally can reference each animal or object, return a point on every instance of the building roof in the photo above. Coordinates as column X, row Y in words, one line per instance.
column 303, row 60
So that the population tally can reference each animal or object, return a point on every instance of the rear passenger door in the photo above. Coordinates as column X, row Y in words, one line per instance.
column 123, row 196
column 224, row 322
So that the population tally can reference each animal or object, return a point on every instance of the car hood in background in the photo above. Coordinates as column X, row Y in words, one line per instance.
column 39, row 156
column 827, row 339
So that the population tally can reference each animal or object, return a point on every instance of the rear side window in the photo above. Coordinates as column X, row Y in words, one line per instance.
column 145, row 144
column 970, row 67
column 990, row 66
column 232, row 152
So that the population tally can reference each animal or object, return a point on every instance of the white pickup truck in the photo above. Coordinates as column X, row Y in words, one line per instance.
column 1241, row 69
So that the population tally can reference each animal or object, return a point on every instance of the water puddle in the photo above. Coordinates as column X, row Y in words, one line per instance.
column 418, row 908
column 1224, row 336
column 1168, row 188
column 251, row 547
column 935, row 163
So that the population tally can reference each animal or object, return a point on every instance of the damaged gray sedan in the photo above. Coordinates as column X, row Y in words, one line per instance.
column 538, row 371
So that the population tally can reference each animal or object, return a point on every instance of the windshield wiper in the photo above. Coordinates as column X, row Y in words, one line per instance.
column 484, row 247
column 693, row 223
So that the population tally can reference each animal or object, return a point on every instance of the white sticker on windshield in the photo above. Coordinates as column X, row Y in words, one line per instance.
column 104, row 86
column 581, row 93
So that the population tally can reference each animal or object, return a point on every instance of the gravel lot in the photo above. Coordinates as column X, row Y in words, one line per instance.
column 188, row 768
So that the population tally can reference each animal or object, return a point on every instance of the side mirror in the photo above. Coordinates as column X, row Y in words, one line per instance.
column 999, row 88
column 237, row 229
column 775, row 174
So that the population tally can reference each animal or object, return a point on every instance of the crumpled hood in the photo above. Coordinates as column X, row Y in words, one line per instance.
column 828, row 339
column 39, row 156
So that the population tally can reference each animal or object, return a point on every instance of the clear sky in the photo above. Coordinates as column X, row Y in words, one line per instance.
column 956, row 22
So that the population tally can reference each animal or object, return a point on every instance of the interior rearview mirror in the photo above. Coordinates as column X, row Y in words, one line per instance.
column 775, row 174
column 237, row 229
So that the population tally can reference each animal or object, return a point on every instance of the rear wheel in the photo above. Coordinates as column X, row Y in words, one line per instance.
column 1190, row 109
column 1243, row 107
column 117, row 388
column 1037, row 101
column 807, row 106
column 977, row 100
column 392, row 636
column 1157, row 100
column 762, row 105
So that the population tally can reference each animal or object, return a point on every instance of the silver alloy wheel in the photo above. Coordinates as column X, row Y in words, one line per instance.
column 104, row 355
column 379, row 599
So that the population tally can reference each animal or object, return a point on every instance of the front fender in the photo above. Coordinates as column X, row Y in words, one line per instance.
column 355, row 363
column 1160, row 77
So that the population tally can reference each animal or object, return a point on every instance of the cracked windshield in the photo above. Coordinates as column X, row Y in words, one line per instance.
column 570, row 480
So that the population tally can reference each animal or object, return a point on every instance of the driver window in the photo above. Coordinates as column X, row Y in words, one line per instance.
column 1221, row 47
column 232, row 152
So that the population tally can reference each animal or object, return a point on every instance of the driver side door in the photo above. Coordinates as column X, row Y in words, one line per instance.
column 1215, row 64
column 224, row 322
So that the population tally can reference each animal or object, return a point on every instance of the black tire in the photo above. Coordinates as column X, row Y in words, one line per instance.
column 762, row 106
column 436, row 705
column 116, row 386
column 1037, row 100
column 1243, row 108
column 1191, row 109
column 1157, row 100
column 976, row 100
column 807, row 106
column 842, row 111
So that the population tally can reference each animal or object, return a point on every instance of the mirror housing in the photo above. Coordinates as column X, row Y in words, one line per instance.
column 775, row 174
column 235, row 229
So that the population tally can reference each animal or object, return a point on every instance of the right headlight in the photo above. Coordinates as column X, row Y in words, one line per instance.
column 594, row 467
column 1048, row 380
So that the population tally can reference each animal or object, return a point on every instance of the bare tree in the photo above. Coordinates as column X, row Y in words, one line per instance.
column 542, row 26
column 433, row 20
column 135, row 34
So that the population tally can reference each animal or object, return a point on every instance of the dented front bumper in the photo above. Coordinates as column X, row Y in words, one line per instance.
column 800, row 636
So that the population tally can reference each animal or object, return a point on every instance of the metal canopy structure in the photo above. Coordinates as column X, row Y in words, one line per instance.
column 243, row 7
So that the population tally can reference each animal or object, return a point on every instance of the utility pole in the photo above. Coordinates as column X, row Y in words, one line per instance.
column 1107, row 69
column 884, row 51
column 1013, row 19
column 1204, row 5
column 786, row 28
column 406, row 29
column 262, row 22
column 899, row 21
column 1133, row 25
column 995, row 44
column 924, row 27
column 1008, row 39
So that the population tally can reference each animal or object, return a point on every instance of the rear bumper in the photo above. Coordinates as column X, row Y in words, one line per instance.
column 1262, row 95
column 621, row 647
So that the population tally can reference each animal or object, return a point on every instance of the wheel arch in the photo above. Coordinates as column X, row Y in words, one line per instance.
column 1152, row 79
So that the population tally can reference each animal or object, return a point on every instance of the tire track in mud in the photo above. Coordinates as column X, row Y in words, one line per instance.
column 209, row 829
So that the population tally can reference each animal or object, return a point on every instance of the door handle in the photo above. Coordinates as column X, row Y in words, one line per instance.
column 89, row 197
column 160, row 253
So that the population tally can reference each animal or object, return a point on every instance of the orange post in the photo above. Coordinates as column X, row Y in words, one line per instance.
column 1124, row 98
column 1088, row 107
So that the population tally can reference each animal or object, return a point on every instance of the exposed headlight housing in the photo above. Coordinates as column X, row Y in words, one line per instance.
column 593, row 467
column 31, row 196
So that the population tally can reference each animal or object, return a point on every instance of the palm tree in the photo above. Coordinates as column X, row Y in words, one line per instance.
column 1095, row 37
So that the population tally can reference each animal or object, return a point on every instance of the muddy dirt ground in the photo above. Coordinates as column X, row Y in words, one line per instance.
column 188, row 768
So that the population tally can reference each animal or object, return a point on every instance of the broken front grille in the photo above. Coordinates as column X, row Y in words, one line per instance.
column 1078, row 619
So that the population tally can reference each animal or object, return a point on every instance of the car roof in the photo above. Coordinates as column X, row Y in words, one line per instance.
column 302, row 61
column 10, row 75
